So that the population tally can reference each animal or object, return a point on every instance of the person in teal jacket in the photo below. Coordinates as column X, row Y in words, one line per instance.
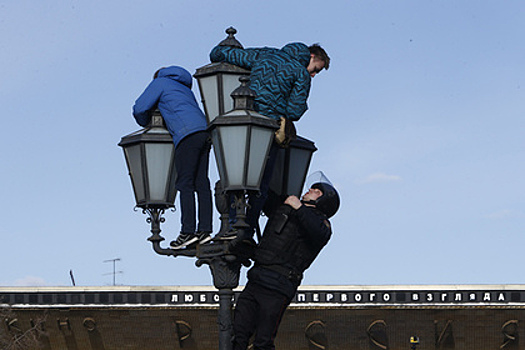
column 170, row 92
column 279, row 77
column 281, row 80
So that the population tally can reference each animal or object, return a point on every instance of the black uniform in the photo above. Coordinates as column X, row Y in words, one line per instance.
column 291, row 241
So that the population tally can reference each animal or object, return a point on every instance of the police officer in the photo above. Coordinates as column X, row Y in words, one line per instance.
column 293, row 237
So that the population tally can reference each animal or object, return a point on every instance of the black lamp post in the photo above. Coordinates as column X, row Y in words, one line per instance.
column 241, row 138
column 242, row 141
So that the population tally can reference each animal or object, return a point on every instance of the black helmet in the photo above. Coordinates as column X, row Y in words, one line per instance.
column 329, row 202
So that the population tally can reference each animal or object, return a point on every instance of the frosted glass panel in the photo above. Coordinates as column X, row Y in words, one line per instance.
column 234, row 144
column 229, row 82
column 218, row 160
column 299, row 162
column 171, row 188
column 132, row 154
column 158, row 159
column 209, row 92
column 259, row 147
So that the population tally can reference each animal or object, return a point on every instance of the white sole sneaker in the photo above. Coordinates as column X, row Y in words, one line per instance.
column 184, row 244
column 205, row 239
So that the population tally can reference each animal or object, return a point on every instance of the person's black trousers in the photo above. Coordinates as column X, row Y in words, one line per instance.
column 192, row 162
column 258, row 310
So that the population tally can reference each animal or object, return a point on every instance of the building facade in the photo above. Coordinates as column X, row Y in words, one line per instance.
column 320, row 317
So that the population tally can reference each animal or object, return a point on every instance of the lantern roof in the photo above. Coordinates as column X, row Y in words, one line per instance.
column 154, row 132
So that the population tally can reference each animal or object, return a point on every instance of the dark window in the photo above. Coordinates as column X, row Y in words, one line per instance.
column 19, row 298
column 61, row 298
column 159, row 298
column 132, row 298
column 104, row 298
column 75, row 298
column 118, row 298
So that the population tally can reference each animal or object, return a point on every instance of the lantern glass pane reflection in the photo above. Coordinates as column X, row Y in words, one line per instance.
column 260, row 140
column 229, row 83
column 218, row 158
column 132, row 154
column 210, row 92
column 234, row 152
column 158, row 159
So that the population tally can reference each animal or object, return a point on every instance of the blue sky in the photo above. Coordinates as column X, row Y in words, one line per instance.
column 419, row 123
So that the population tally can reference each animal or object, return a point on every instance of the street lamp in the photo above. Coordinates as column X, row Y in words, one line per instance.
column 218, row 80
column 291, row 167
column 150, row 157
column 242, row 139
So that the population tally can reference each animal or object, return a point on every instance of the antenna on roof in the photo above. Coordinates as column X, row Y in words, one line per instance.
column 114, row 273
column 72, row 277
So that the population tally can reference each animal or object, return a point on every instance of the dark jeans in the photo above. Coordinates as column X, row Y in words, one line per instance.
column 258, row 310
column 192, row 157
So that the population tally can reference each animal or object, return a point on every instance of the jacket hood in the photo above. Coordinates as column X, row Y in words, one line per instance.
column 299, row 51
column 178, row 74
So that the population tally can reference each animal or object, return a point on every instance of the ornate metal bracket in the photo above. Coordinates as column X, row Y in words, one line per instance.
column 155, row 218
column 215, row 254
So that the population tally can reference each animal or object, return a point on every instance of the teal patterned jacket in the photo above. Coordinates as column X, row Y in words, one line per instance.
column 278, row 76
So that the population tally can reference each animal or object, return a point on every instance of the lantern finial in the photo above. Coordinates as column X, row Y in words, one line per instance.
column 157, row 120
column 231, row 40
column 243, row 96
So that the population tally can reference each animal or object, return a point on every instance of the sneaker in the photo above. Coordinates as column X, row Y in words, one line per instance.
column 184, row 240
column 203, row 236
column 227, row 235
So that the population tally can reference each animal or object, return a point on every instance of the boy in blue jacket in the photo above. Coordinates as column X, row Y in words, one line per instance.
column 170, row 92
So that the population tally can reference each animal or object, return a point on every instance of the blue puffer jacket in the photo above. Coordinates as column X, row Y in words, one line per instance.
column 278, row 77
column 171, row 93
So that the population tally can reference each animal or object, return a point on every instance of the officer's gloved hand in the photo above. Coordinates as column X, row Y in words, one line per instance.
column 244, row 249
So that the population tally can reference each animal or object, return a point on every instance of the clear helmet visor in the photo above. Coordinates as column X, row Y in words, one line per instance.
column 316, row 177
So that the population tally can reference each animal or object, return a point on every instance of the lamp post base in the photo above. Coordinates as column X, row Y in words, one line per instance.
column 224, row 258
column 225, row 269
